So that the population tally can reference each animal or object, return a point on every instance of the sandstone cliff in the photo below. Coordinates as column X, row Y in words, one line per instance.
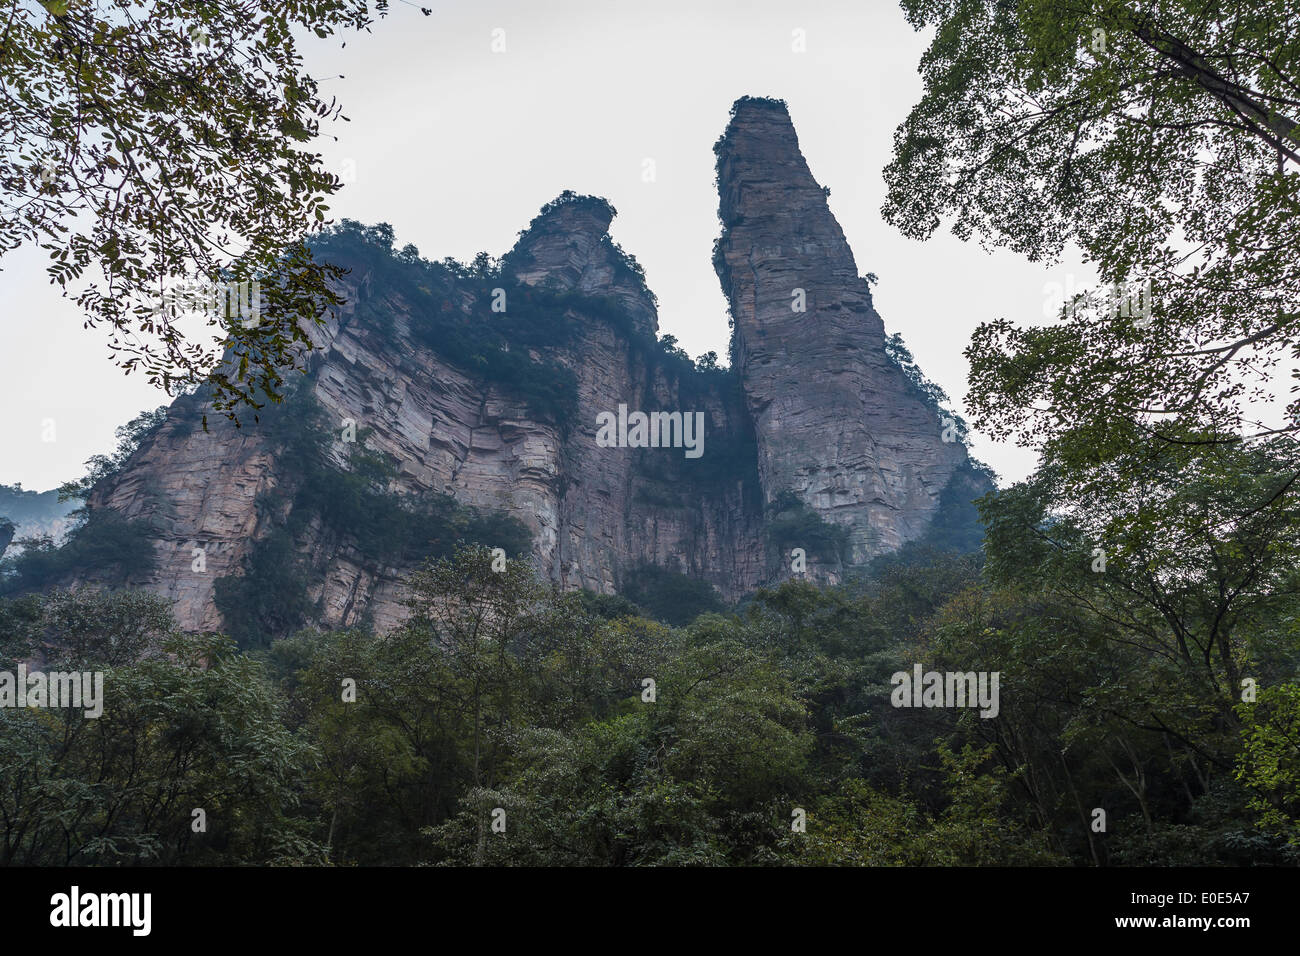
column 814, row 411
column 837, row 423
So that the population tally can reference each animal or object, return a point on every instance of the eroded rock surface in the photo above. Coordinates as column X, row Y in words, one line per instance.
column 814, row 407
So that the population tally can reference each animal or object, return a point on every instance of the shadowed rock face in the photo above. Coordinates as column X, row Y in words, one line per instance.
column 837, row 422
column 818, row 409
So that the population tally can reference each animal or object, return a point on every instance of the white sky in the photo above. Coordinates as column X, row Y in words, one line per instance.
column 457, row 147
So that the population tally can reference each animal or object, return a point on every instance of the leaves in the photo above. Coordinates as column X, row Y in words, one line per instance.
column 153, row 161
column 1035, row 133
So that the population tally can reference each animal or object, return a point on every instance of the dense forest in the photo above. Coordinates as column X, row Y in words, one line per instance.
column 508, row 723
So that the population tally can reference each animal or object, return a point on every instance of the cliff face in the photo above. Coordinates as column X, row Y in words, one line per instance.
column 815, row 407
column 837, row 423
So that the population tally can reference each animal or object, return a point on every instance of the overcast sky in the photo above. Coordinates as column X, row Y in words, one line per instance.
column 458, row 146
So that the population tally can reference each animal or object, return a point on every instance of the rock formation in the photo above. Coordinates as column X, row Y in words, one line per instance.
column 836, row 421
column 814, row 411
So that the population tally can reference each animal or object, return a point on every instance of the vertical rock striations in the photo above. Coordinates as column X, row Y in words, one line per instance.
column 814, row 411
column 837, row 421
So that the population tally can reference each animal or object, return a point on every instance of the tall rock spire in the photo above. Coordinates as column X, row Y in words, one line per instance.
column 838, row 423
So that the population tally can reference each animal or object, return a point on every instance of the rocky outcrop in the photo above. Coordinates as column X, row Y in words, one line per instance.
column 568, row 247
column 837, row 421
column 814, row 407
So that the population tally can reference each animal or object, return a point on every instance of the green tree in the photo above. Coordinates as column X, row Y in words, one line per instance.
column 1270, row 758
column 104, row 547
column 187, row 723
column 669, row 595
column 269, row 598
column 1161, row 141
column 435, row 704
column 70, row 629
column 165, row 145
column 702, row 775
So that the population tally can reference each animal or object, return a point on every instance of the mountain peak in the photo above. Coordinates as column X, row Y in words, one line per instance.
column 817, row 432
column 839, row 425
column 567, row 247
